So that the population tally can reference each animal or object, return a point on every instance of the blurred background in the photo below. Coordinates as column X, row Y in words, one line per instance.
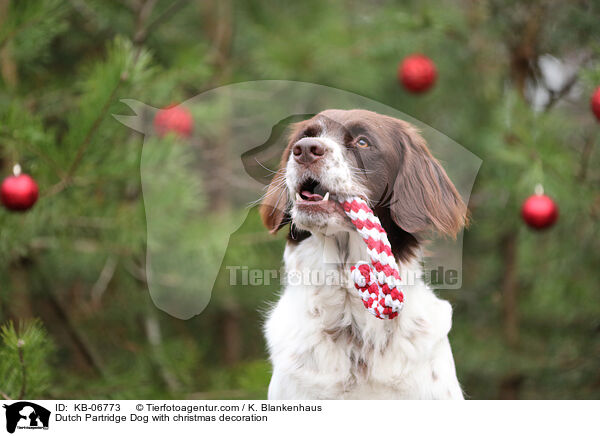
column 514, row 86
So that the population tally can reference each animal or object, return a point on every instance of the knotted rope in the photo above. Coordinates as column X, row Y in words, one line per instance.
column 377, row 281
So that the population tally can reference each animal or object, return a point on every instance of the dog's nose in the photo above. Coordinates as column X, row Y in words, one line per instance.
column 308, row 150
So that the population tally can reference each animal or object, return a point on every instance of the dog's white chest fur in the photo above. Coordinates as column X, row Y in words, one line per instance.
column 324, row 345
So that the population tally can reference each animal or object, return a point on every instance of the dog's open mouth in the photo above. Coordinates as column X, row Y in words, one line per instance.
column 313, row 196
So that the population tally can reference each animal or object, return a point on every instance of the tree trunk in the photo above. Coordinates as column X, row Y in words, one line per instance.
column 232, row 337
column 523, row 57
column 510, row 290
column 21, row 306
column 218, row 28
column 510, row 384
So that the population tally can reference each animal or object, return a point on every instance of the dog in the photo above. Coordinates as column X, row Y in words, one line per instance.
column 322, row 342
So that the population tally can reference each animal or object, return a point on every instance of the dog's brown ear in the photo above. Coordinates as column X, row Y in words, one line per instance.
column 273, row 209
column 424, row 198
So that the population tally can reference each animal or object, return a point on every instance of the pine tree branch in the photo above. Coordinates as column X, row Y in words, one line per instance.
column 154, row 336
column 143, row 14
column 137, row 272
column 166, row 14
column 79, row 340
column 18, row 30
column 85, row 11
column 20, row 345
column 140, row 35
column 19, row 143
column 88, row 137
column 588, row 146
column 67, row 179
column 555, row 96
column 8, row 67
column 106, row 275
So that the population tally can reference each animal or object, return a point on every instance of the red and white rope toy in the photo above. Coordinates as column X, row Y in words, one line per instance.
column 377, row 281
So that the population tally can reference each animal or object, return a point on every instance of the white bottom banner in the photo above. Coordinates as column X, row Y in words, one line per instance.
column 299, row 417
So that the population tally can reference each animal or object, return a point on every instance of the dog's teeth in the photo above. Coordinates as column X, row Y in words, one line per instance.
column 298, row 198
column 326, row 197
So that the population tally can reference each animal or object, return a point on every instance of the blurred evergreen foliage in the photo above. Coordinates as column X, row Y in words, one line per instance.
column 76, row 261
column 25, row 360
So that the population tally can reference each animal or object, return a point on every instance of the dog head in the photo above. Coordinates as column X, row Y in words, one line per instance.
column 337, row 154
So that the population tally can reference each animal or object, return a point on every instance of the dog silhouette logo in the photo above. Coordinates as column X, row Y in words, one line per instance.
column 226, row 163
column 26, row 415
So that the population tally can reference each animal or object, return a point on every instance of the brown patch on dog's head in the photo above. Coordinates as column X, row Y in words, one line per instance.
column 408, row 188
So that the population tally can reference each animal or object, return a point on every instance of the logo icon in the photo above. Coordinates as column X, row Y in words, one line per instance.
column 26, row 415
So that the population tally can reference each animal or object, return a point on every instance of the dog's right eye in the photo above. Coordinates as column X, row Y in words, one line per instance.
column 362, row 143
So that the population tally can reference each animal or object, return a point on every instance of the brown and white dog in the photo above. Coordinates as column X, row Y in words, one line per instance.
column 323, row 344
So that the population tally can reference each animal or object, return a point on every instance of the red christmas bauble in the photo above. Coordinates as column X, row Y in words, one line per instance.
column 595, row 103
column 19, row 192
column 175, row 119
column 539, row 212
column 417, row 73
